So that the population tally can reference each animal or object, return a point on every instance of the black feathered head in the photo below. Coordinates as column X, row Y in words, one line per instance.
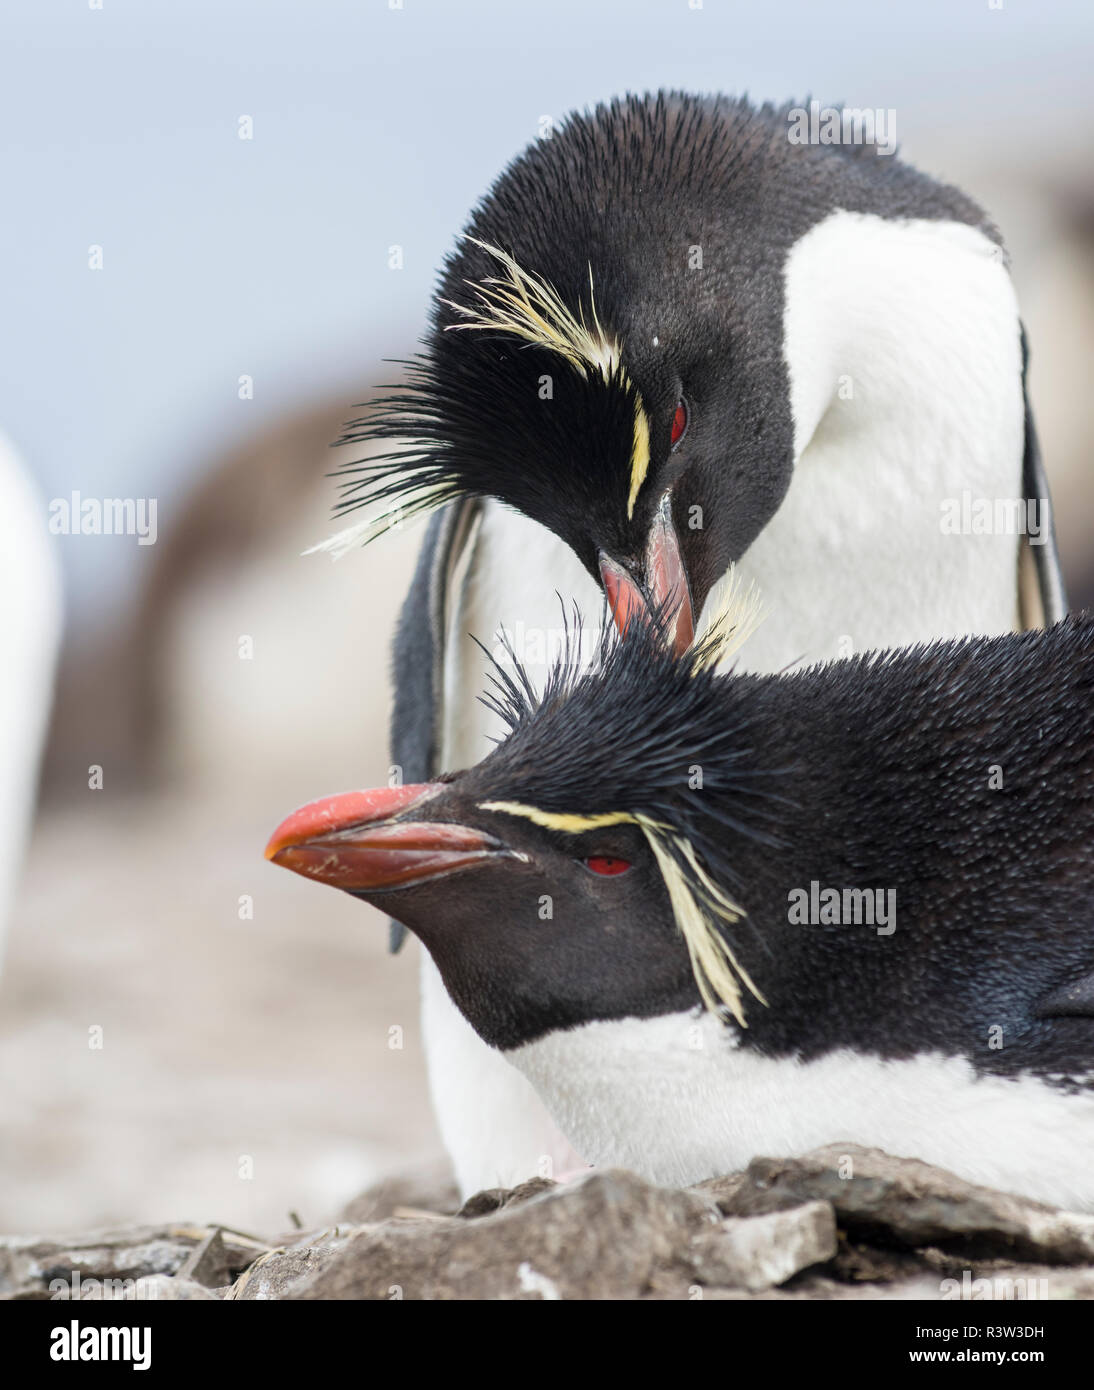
column 607, row 347
column 604, row 354
column 613, row 798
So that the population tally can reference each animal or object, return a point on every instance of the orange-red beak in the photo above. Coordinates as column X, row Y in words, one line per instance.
column 355, row 841
column 667, row 590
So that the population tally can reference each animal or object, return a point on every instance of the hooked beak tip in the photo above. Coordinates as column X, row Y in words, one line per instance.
column 625, row 598
column 666, row 592
column 358, row 842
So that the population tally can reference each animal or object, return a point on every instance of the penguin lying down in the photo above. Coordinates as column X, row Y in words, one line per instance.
column 714, row 916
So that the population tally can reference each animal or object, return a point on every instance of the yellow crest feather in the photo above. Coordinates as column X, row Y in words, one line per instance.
column 735, row 614
column 640, row 455
column 531, row 309
column 521, row 303
column 556, row 820
column 388, row 516
column 718, row 972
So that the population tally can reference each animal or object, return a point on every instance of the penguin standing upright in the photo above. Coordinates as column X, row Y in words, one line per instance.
column 877, row 875
column 673, row 340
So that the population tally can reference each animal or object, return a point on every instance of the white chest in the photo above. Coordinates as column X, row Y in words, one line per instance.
column 675, row 1099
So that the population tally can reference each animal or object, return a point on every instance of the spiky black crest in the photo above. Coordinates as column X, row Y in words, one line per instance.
column 473, row 421
column 669, row 737
column 643, row 731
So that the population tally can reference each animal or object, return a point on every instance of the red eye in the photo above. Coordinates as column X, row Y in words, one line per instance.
column 602, row 864
column 679, row 423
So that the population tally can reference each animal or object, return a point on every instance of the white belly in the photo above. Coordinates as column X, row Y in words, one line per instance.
column 676, row 1100
column 902, row 346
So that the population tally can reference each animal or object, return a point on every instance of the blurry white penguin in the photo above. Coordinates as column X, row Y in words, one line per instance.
column 30, row 583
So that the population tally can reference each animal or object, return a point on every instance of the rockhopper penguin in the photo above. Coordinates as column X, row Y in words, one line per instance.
column 671, row 339
column 876, row 875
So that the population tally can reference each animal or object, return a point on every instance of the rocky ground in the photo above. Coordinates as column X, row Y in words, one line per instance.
column 839, row 1223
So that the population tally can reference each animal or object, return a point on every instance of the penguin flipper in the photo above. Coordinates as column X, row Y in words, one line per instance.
column 418, row 654
column 1073, row 1000
column 1043, row 600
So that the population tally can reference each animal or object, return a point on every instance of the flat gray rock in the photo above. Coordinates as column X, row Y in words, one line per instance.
column 906, row 1201
column 601, row 1237
column 429, row 1189
column 758, row 1252
column 274, row 1274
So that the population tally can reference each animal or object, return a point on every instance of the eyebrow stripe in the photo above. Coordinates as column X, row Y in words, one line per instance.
column 640, row 453
column 554, row 820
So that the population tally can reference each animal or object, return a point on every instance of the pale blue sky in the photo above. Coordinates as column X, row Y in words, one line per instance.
column 371, row 126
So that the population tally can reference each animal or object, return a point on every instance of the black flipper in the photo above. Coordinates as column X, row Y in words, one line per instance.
column 1049, row 579
column 1073, row 1000
column 419, row 651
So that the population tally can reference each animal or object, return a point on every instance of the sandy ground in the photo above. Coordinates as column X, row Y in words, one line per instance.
column 245, row 1070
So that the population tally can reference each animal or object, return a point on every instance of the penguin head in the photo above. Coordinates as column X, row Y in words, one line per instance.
column 554, row 886
column 605, row 357
column 533, row 927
